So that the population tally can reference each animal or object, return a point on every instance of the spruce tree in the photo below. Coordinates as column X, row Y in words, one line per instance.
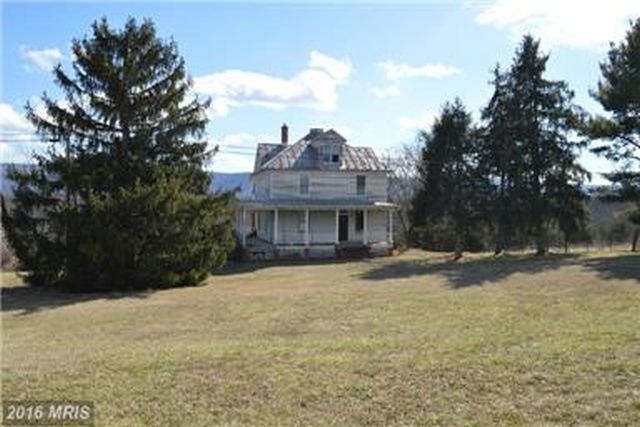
column 619, row 94
column 451, row 187
column 529, row 123
column 121, row 199
column 501, row 163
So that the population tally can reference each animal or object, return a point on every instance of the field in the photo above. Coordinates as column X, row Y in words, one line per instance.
column 409, row 340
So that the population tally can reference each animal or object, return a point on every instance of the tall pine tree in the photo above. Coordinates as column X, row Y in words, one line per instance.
column 121, row 201
column 450, row 188
column 532, row 157
column 619, row 94
column 501, row 163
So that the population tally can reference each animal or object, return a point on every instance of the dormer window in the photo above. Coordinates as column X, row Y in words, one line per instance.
column 331, row 154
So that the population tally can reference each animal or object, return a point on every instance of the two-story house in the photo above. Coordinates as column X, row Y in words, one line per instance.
column 316, row 197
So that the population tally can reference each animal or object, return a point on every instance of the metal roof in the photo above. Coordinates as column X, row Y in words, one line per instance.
column 304, row 155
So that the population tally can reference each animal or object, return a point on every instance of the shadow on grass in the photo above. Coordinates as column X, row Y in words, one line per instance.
column 30, row 299
column 620, row 268
column 472, row 272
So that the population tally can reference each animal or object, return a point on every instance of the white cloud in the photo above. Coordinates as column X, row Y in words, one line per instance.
column 421, row 121
column 574, row 23
column 12, row 121
column 396, row 71
column 313, row 87
column 339, row 69
column 597, row 165
column 45, row 59
column 21, row 140
column 16, row 136
column 237, row 151
column 385, row 92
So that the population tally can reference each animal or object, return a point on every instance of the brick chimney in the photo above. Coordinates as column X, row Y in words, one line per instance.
column 284, row 134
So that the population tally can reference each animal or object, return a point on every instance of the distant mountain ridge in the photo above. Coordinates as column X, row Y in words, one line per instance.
column 238, row 182
column 232, row 181
column 220, row 181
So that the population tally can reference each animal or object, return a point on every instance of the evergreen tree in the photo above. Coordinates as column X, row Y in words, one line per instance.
column 570, row 206
column 121, row 201
column 619, row 94
column 450, row 185
column 529, row 120
column 501, row 163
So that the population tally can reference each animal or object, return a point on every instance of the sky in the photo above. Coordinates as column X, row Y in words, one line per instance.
column 375, row 72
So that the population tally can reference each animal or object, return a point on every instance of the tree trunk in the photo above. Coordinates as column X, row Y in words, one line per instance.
column 499, row 248
column 501, row 239
column 500, row 242
column 634, row 241
column 458, row 248
column 541, row 242
column 406, row 229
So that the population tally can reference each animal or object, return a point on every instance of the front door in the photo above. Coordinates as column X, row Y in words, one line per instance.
column 343, row 227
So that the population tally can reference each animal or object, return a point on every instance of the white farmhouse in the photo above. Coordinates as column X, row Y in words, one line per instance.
column 316, row 197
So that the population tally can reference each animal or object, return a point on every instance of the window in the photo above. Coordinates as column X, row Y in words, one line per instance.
column 326, row 154
column 360, row 185
column 359, row 220
column 304, row 184
column 331, row 154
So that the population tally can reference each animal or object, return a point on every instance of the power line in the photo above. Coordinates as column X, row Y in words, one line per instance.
column 239, row 153
column 237, row 146
column 19, row 141
column 17, row 132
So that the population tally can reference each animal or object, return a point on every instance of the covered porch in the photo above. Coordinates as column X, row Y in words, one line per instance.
column 315, row 229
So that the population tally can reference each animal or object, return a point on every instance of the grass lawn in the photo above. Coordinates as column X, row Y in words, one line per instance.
column 408, row 340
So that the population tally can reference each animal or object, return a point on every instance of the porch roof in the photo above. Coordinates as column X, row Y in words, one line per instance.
column 319, row 204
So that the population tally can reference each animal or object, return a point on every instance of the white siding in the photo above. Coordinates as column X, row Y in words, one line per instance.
column 290, row 227
column 377, row 226
column 323, row 226
column 265, row 225
column 322, row 185
column 260, row 183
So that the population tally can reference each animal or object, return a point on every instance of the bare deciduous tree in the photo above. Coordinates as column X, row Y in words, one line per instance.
column 403, row 164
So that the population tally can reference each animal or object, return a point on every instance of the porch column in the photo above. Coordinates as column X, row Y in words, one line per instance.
column 306, row 227
column 275, row 226
column 337, row 236
column 390, row 238
column 365, row 237
column 243, row 214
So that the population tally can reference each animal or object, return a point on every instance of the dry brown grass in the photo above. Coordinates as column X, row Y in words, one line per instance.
column 409, row 340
